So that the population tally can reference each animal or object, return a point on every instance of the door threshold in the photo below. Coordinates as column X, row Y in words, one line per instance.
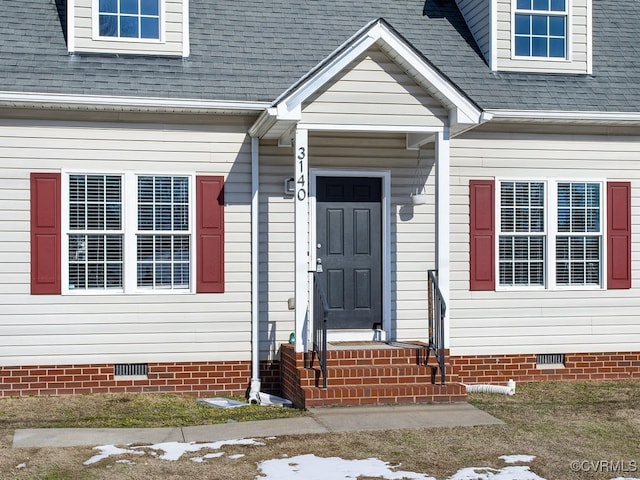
column 356, row 336
column 361, row 345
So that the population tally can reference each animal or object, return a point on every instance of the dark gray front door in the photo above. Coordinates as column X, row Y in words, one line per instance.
column 349, row 250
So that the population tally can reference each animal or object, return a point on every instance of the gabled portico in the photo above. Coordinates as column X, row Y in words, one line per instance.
column 373, row 84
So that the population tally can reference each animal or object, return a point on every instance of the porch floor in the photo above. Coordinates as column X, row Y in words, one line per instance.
column 366, row 345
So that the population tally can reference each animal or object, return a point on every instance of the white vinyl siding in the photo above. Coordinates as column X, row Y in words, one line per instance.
column 412, row 227
column 477, row 14
column 374, row 91
column 38, row 329
column 568, row 319
column 578, row 58
column 173, row 39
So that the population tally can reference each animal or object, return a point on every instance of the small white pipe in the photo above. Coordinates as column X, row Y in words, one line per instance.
column 510, row 389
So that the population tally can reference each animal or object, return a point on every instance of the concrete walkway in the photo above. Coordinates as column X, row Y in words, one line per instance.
column 323, row 420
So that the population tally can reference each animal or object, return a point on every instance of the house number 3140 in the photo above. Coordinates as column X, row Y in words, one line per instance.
column 301, row 181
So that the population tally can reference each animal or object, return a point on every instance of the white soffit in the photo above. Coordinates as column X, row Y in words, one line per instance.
column 287, row 108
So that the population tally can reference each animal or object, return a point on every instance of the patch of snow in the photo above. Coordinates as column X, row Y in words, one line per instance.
column 168, row 450
column 124, row 460
column 507, row 473
column 236, row 456
column 518, row 458
column 310, row 467
column 175, row 450
column 109, row 450
column 206, row 457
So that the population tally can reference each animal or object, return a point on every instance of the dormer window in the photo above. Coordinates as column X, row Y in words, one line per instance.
column 129, row 19
column 541, row 29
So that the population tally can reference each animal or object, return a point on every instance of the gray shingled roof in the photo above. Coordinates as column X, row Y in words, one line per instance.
column 253, row 50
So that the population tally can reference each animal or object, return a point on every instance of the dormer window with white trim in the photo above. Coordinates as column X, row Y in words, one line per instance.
column 540, row 29
column 129, row 27
column 129, row 19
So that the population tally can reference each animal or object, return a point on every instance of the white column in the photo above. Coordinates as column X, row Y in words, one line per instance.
column 301, row 159
column 443, row 199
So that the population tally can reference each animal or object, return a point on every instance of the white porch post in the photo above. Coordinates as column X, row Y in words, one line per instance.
column 443, row 199
column 301, row 248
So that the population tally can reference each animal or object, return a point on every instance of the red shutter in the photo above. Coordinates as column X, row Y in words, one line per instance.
column 482, row 234
column 210, row 234
column 45, row 233
column 619, row 235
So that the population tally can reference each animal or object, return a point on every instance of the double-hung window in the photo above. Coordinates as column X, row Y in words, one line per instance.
column 118, row 240
column 579, row 238
column 95, row 239
column 540, row 28
column 522, row 241
column 550, row 234
column 129, row 19
column 163, row 240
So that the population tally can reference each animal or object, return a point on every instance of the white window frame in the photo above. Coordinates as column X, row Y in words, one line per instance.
column 552, row 233
column 544, row 233
column 568, row 32
column 130, row 232
column 162, row 27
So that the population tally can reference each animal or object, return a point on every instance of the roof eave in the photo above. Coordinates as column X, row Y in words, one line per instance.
column 125, row 103
column 560, row 116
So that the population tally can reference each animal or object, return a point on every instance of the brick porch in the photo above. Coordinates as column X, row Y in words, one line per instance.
column 366, row 375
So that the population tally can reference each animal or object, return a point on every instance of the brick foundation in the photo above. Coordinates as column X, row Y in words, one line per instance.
column 233, row 378
column 522, row 368
column 195, row 378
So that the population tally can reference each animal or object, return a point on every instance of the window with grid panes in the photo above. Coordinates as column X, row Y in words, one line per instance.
column 540, row 28
column 159, row 238
column 129, row 19
column 522, row 244
column 163, row 237
column 579, row 238
column 95, row 238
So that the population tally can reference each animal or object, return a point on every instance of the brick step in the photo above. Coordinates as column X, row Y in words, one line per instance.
column 368, row 376
column 384, row 394
column 382, row 355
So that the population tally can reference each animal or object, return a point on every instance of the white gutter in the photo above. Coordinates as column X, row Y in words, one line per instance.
column 558, row 115
column 255, row 277
column 98, row 102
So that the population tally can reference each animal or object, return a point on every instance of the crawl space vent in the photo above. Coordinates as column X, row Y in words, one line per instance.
column 550, row 360
column 129, row 370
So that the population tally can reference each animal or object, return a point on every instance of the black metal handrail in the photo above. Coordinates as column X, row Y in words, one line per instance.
column 437, row 310
column 320, row 316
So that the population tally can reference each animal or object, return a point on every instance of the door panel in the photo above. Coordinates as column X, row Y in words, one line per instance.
column 349, row 242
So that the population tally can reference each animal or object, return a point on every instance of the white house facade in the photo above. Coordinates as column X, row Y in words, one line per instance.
column 213, row 198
